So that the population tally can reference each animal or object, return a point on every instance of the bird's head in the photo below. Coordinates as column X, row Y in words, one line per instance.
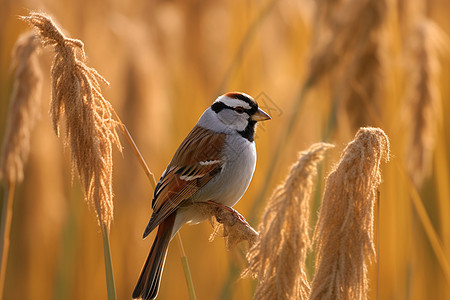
column 240, row 112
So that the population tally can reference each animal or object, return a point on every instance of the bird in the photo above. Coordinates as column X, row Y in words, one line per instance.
column 214, row 163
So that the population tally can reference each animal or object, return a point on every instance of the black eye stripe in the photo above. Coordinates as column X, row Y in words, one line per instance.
column 218, row 106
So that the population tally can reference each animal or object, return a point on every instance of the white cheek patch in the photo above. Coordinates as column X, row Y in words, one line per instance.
column 231, row 102
column 232, row 119
column 241, row 122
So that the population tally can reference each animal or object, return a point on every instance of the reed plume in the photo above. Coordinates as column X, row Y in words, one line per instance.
column 343, row 35
column 23, row 113
column 422, row 109
column 325, row 10
column 23, row 109
column 278, row 257
column 360, row 86
column 324, row 20
column 344, row 232
column 90, row 128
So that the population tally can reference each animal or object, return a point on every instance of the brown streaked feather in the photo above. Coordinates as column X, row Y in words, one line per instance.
column 185, row 175
column 201, row 144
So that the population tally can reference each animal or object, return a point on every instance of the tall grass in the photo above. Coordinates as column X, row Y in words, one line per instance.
column 22, row 115
column 165, row 67
column 422, row 99
column 279, row 255
column 344, row 234
column 90, row 128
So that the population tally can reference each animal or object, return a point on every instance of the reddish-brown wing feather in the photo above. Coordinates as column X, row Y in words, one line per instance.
column 196, row 161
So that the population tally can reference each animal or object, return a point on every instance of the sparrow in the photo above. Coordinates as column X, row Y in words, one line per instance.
column 214, row 163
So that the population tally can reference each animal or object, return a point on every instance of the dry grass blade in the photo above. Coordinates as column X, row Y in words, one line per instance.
column 422, row 108
column 90, row 128
column 278, row 257
column 23, row 109
column 344, row 231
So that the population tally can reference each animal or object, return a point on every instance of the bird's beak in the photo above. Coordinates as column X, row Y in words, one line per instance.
column 260, row 115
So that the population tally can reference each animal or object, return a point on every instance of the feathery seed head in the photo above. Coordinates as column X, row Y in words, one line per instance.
column 23, row 108
column 90, row 127
column 344, row 230
column 278, row 257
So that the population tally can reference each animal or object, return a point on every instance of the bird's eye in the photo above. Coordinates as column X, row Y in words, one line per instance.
column 239, row 110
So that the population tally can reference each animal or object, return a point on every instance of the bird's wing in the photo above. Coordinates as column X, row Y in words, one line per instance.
column 197, row 160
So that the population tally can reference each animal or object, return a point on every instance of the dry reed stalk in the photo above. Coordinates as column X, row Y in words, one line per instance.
column 351, row 22
column 344, row 232
column 23, row 108
column 422, row 109
column 278, row 257
column 90, row 128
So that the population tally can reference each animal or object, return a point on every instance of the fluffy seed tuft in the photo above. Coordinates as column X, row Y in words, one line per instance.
column 344, row 230
column 23, row 108
column 278, row 257
column 90, row 128
column 422, row 109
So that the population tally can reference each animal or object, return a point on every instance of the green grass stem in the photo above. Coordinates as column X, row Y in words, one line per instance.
column 187, row 271
column 110, row 285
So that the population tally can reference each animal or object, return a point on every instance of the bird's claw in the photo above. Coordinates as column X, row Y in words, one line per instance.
column 237, row 216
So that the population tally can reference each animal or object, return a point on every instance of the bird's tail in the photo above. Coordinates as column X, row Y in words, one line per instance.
column 148, row 283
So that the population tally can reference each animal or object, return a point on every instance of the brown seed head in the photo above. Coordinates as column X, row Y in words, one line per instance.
column 422, row 109
column 23, row 108
column 278, row 257
column 344, row 230
column 344, row 31
column 90, row 128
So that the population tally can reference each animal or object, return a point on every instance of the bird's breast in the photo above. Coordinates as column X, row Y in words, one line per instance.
column 239, row 156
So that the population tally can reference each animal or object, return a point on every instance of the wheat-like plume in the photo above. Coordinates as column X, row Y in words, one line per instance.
column 23, row 108
column 344, row 230
column 422, row 109
column 351, row 23
column 361, row 83
column 90, row 128
column 324, row 20
column 278, row 257
column 325, row 10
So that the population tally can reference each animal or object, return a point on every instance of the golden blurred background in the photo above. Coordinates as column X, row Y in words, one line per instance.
column 166, row 62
